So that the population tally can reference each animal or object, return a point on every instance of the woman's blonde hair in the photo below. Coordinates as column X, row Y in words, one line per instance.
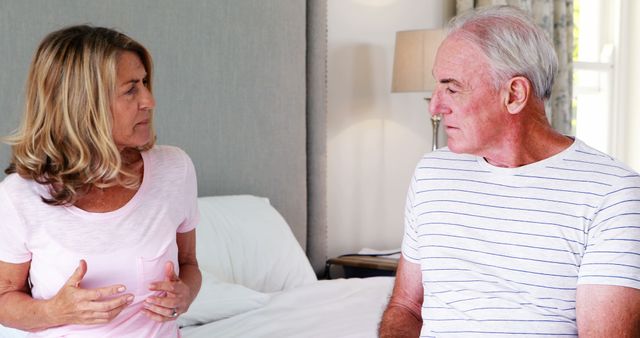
column 65, row 137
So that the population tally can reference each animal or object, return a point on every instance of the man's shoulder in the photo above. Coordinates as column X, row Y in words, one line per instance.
column 591, row 156
column 587, row 158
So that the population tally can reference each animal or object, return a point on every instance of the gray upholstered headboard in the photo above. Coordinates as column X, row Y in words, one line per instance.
column 231, row 89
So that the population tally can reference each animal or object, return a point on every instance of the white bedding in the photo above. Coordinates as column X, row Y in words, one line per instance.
column 333, row 308
column 326, row 308
column 250, row 258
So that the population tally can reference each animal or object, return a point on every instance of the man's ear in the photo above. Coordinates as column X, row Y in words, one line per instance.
column 518, row 92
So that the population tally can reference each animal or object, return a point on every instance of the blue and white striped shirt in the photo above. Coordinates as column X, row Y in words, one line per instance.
column 503, row 249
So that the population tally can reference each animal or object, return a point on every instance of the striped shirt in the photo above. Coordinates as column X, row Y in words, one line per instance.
column 502, row 249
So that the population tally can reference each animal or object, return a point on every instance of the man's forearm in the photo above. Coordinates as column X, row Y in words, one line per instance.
column 398, row 321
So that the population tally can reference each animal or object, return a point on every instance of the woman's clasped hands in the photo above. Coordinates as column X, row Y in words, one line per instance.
column 75, row 305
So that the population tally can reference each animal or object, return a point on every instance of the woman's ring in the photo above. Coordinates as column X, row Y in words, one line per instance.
column 174, row 314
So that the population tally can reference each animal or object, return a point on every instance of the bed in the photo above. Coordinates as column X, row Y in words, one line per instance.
column 257, row 281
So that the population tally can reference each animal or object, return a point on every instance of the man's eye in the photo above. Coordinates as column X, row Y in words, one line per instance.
column 451, row 91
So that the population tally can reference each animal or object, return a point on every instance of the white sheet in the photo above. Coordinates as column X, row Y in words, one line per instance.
column 218, row 300
column 327, row 308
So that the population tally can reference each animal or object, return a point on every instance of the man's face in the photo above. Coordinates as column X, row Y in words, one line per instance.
column 472, row 112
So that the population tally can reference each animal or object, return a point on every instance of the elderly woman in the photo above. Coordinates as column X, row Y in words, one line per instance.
column 98, row 223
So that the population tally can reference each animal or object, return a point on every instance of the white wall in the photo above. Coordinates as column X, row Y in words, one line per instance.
column 375, row 138
column 633, row 87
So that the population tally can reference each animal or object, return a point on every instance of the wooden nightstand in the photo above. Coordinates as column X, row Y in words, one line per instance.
column 363, row 266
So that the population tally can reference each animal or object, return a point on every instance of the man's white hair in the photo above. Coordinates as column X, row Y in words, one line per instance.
column 514, row 44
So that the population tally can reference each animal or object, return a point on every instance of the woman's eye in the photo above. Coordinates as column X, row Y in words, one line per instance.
column 131, row 90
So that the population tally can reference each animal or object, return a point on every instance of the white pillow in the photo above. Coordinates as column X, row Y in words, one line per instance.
column 243, row 240
column 218, row 300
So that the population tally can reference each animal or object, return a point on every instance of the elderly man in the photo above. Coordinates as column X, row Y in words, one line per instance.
column 515, row 230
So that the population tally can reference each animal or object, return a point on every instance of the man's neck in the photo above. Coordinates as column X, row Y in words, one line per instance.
column 530, row 140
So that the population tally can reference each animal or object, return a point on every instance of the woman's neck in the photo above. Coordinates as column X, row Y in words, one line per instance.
column 114, row 197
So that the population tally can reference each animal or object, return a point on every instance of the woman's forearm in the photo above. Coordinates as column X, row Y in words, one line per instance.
column 71, row 305
column 191, row 276
column 20, row 311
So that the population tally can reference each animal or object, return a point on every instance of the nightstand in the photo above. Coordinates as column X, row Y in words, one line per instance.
column 360, row 266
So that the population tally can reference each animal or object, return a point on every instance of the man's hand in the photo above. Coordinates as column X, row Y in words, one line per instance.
column 75, row 305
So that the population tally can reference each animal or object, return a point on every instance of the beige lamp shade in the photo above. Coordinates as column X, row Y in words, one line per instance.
column 413, row 60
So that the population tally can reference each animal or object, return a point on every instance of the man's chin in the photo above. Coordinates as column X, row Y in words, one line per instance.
column 457, row 148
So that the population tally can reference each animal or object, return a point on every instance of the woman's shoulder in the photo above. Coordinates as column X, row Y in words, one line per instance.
column 21, row 190
column 168, row 160
column 16, row 183
column 167, row 152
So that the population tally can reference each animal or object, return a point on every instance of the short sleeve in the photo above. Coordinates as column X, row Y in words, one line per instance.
column 190, row 198
column 409, row 241
column 612, row 255
column 13, row 247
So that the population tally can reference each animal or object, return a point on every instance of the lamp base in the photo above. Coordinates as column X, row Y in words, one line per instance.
column 435, row 126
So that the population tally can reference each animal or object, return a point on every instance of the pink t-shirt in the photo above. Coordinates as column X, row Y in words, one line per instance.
column 127, row 246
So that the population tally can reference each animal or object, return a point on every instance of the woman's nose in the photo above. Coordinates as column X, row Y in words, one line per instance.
column 147, row 101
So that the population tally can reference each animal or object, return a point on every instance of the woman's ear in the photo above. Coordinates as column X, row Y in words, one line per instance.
column 519, row 90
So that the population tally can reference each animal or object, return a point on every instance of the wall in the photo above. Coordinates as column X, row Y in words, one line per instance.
column 229, row 85
column 633, row 87
column 374, row 137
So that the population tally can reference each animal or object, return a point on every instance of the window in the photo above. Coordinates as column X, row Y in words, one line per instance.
column 596, row 36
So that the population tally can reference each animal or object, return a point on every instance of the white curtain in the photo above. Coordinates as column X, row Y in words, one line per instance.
column 556, row 18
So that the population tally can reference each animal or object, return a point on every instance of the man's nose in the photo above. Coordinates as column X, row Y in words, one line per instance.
column 435, row 104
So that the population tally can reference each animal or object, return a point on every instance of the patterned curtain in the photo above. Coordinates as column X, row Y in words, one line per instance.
column 556, row 18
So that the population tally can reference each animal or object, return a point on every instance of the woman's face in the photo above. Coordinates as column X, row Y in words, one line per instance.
column 133, row 103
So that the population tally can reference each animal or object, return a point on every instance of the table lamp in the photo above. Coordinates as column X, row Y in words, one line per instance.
column 413, row 60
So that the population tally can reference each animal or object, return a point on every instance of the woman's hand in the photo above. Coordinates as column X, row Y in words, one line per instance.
column 75, row 305
column 175, row 300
